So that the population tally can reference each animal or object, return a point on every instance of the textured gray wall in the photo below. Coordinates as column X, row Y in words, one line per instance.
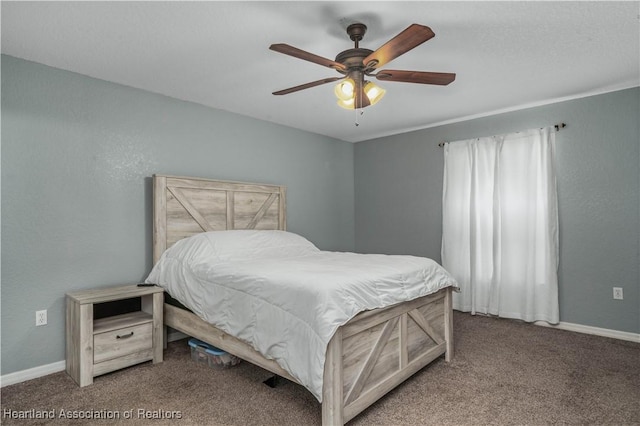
column 398, row 187
column 77, row 157
column 78, row 153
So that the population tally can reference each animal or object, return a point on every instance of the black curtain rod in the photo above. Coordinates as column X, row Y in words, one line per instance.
column 556, row 126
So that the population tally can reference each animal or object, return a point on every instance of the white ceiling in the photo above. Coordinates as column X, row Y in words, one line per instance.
column 507, row 55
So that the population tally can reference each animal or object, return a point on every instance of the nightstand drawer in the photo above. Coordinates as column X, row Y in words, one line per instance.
column 123, row 341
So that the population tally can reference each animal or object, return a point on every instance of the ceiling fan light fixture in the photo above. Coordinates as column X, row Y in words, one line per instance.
column 346, row 103
column 345, row 89
column 373, row 92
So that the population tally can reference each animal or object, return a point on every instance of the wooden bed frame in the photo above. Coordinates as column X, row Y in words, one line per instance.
column 366, row 358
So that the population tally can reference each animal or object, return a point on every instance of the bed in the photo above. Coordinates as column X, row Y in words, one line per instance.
column 366, row 357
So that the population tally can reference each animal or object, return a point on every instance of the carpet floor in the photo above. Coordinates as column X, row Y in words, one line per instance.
column 504, row 372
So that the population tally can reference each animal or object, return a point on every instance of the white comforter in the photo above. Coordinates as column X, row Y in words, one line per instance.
column 282, row 295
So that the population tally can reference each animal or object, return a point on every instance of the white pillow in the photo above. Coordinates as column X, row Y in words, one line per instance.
column 240, row 245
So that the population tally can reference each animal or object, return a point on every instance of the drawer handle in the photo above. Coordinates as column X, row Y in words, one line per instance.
column 125, row 336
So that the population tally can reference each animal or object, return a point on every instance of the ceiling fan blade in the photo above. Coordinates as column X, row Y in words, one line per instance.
column 301, row 54
column 307, row 85
column 414, row 35
column 440, row 78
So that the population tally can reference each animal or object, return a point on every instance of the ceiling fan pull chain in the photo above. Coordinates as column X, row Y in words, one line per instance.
column 357, row 115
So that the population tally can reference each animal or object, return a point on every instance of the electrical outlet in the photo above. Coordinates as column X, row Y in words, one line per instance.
column 41, row 317
column 617, row 293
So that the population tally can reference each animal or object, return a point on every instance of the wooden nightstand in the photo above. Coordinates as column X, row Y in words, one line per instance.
column 96, row 347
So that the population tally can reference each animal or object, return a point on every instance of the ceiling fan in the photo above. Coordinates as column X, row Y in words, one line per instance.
column 354, row 91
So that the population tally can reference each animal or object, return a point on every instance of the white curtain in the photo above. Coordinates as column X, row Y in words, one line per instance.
column 500, row 225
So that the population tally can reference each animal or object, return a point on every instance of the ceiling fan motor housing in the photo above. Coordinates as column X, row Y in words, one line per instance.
column 352, row 58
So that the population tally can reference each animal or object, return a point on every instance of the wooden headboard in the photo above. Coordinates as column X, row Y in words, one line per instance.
column 184, row 206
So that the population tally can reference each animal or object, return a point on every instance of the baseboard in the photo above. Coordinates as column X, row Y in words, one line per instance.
column 596, row 331
column 32, row 373
column 56, row 367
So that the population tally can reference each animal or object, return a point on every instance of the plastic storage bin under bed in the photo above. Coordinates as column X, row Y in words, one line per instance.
column 204, row 353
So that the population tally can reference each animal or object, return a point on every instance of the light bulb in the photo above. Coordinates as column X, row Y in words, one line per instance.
column 374, row 92
column 344, row 89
